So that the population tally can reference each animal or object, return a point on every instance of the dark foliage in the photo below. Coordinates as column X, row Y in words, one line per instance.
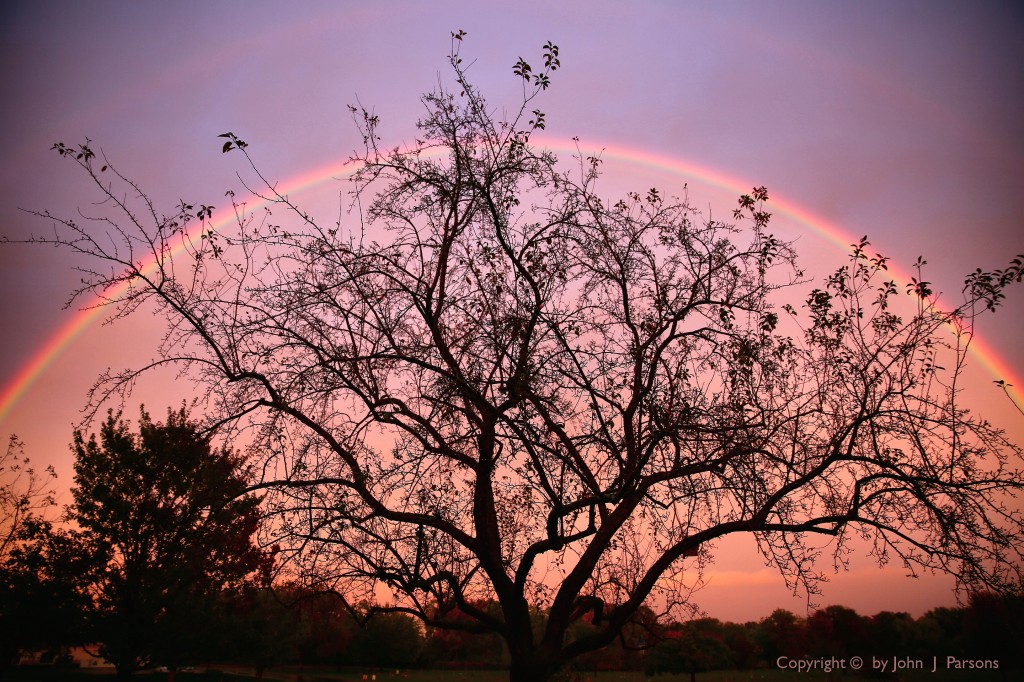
column 166, row 526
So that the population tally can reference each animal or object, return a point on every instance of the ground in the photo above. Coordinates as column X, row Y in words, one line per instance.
column 292, row 674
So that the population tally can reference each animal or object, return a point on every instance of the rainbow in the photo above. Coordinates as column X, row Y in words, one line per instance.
column 66, row 334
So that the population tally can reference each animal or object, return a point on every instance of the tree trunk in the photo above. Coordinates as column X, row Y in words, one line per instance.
column 530, row 670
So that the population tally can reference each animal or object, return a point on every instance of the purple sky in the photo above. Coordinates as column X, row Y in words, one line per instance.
column 903, row 121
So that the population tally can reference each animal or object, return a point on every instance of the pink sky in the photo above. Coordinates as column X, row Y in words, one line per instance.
column 904, row 123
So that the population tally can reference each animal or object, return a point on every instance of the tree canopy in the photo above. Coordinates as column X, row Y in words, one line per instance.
column 487, row 382
column 163, row 525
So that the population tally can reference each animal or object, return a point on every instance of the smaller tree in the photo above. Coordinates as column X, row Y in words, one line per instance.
column 837, row 631
column 389, row 640
column 895, row 634
column 40, row 608
column 693, row 647
column 265, row 627
column 167, row 524
column 942, row 632
column 34, row 609
column 25, row 494
column 993, row 627
column 783, row 633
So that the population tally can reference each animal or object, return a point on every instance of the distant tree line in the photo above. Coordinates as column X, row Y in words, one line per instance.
column 987, row 627
column 270, row 626
column 290, row 625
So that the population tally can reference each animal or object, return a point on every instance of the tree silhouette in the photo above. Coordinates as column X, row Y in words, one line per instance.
column 693, row 647
column 40, row 608
column 33, row 607
column 165, row 521
column 486, row 382
column 25, row 494
column 264, row 628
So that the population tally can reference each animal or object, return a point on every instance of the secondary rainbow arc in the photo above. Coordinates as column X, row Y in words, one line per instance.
column 29, row 372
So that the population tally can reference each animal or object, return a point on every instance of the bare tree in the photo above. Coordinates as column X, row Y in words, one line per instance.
column 488, row 383
column 25, row 494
